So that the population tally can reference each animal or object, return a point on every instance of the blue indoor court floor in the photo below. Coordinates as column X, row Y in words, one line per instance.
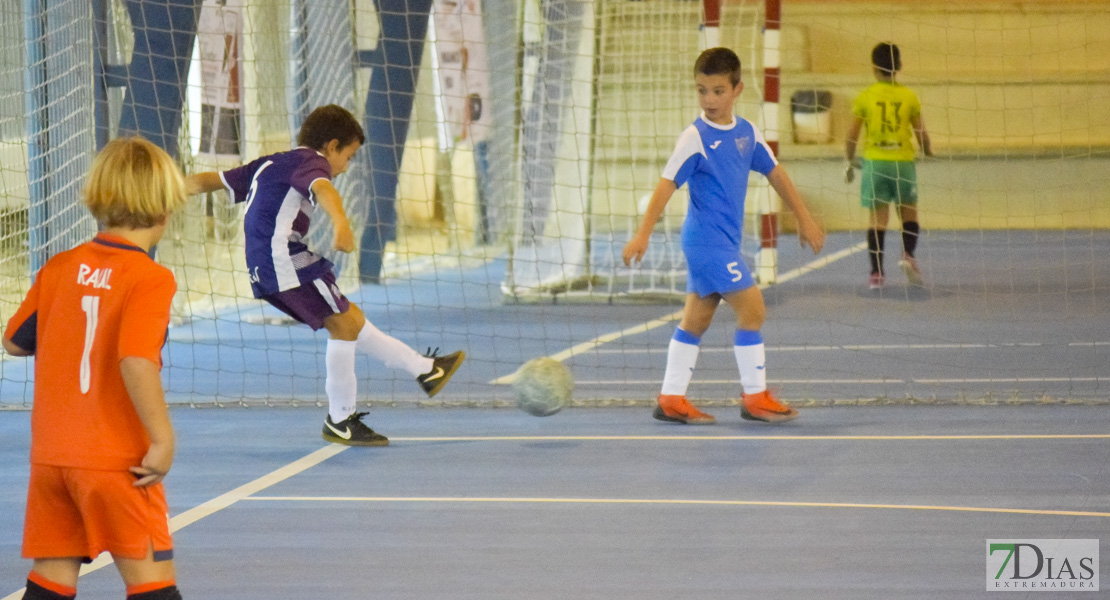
column 845, row 502
column 933, row 419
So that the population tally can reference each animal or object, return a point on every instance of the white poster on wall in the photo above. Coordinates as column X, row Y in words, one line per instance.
column 462, row 82
column 219, row 39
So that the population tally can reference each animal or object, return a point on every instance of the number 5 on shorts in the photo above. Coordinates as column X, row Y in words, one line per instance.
column 732, row 269
column 91, row 306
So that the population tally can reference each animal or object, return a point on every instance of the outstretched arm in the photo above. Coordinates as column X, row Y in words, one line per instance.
column 637, row 246
column 809, row 232
column 203, row 183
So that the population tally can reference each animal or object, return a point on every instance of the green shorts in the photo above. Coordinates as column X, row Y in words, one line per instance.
column 888, row 182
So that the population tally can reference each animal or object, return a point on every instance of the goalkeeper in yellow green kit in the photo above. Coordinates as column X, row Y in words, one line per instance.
column 891, row 115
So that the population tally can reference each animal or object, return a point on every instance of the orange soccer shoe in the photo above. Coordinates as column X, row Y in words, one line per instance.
column 764, row 407
column 676, row 409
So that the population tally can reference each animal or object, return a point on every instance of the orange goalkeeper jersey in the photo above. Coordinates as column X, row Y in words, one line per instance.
column 89, row 308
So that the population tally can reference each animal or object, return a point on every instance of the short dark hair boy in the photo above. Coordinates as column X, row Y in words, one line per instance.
column 283, row 191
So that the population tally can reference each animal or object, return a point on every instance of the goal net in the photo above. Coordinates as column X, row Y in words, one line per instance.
column 512, row 146
column 597, row 125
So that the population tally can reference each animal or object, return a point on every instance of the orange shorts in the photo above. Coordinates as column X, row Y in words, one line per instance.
column 81, row 513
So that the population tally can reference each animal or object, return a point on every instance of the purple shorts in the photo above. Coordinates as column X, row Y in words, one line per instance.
column 312, row 302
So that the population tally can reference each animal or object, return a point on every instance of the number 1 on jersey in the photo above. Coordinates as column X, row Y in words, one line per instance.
column 91, row 306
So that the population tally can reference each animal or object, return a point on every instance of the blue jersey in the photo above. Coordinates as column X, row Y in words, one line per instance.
column 278, row 192
column 715, row 161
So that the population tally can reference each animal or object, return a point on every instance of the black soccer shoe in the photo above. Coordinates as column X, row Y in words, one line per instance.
column 443, row 367
column 352, row 432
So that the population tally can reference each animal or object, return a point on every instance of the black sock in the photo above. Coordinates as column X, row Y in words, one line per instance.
column 37, row 592
column 910, row 231
column 166, row 593
column 876, row 239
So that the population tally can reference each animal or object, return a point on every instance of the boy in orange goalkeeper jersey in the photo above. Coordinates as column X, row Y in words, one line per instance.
column 96, row 319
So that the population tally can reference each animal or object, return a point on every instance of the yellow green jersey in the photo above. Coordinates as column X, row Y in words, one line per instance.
column 887, row 110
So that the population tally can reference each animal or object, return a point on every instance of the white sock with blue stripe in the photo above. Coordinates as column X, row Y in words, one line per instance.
column 682, row 355
column 750, row 358
column 341, row 383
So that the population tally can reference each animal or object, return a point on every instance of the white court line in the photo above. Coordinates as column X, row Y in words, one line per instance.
column 857, row 347
column 789, row 438
column 469, row 500
column 223, row 501
column 578, row 382
column 735, row 382
column 1013, row 380
column 587, row 346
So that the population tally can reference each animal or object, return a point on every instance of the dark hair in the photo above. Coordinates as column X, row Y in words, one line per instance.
column 886, row 57
column 719, row 61
column 327, row 123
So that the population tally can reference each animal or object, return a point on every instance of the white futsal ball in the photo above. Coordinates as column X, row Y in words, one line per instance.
column 543, row 386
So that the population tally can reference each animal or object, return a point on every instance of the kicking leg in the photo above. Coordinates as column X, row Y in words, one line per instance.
column 431, row 372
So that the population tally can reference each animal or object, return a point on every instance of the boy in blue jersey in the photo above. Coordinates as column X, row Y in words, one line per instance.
column 282, row 192
column 714, row 156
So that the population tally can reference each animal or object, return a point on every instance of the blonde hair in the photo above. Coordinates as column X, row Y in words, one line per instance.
column 133, row 184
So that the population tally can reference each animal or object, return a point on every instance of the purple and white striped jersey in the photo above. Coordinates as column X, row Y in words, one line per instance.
column 278, row 192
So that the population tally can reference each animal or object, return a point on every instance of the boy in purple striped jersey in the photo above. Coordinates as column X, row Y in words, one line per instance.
column 281, row 192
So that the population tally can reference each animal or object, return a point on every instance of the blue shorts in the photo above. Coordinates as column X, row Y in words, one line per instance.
column 715, row 270
column 312, row 302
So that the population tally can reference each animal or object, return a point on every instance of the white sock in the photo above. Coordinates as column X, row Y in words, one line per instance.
column 753, row 375
column 391, row 351
column 341, row 384
column 681, row 358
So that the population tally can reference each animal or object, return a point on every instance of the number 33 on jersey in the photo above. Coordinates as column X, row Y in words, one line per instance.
column 887, row 110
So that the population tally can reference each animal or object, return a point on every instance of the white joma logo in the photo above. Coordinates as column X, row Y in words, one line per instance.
column 714, row 145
